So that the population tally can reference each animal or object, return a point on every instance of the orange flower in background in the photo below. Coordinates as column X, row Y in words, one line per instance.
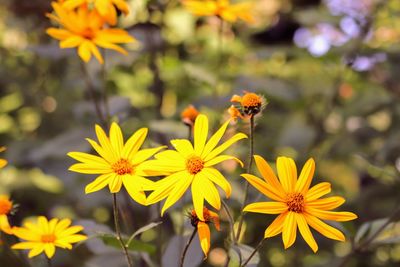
column 202, row 227
column 249, row 104
column 84, row 29
column 106, row 8
column 298, row 205
column 45, row 236
column 3, row 162
column 189, row 115
column 6, row 207
column 221, row 8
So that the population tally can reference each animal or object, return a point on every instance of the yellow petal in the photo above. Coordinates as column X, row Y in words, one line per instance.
column 5, row 225
column 267, row 172
column 116, row 139
column 276, row 226
column 339, row 216
column 89, row 168
column 328, row 203
column 306, row 176
column 84, row 51
column 134, row 185
column 177, row 192
column 264, row 188
column 99, row 183
column 198, row 198
column 324, row 228
column 144, row 154
column 73, row 239
column 121, row 5
column 289, row 230
column 60, row 34
column 204, row 237
column 266, row 207
column 112, row 46
column 183, row 146
column 114, row 36
column 3, row 163
column 25, row 234
column 107, row 156
column 305, row 232
column 105, row 143
column 318, row 191
column 72, row 41
column 287, row 173
column 36, row 250
column 200, row 132
column 216, row 177
column 89, row 159
column 115, row 184
column 134, row 143
column 164, row 186
column 210, row 193
column 214, row 140
column 49, row 249
column 220, row 159
column 221, row 148
column 62, row 225
column 24, row 245
column 70, row 231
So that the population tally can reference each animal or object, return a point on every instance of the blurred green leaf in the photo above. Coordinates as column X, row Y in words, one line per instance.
column 141, row 230
column 240, row 253
column 135, row 245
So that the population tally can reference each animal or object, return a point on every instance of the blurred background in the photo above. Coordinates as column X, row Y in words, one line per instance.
column 328, row 68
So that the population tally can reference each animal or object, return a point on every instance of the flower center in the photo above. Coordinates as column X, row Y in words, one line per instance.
column 88, row 33
column 251, row 103
column 123, row 166
column 194, row 164
column 295, row 202
column 49, row 238
column 194, row 220
column 5, row 206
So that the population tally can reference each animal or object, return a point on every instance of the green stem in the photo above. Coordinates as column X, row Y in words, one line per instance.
column 187, row 246
column 230, row 218
column 253, row 253
column 250, row 162
column 118, row 230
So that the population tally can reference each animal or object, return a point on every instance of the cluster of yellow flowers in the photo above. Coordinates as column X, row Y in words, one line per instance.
column 88, row 24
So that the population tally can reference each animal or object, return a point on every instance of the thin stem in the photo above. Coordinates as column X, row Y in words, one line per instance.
column 250, row 162
column 187, row 246
column 49, row 263
column 230, row 218
column 92, row 93
column 253, row 253
column 118, row 230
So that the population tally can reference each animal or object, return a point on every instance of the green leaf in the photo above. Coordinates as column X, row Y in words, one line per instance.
column 135, row 245
column 141, row 230
column 240, row 253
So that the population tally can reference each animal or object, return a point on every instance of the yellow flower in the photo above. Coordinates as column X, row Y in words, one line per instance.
column 193, row 166
column 3, row 162
column 106, row 8
column 6, row 207
column 84, row 29
column 118, row 163
column 297, row 204
column 189, row 115
column 221, row 8
column 202, row 227
column 47, row 235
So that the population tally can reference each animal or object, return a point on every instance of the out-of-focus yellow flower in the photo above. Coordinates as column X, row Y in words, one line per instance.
column 6, row 207
column 221, row 8
column 193, row 166
column 202, row 227
column 249, row 104
column 297, row 204
column 85, row 29
column 106, row 8
column 3, row 162
column 47, row 235
column 189, row 115
column 118, row 163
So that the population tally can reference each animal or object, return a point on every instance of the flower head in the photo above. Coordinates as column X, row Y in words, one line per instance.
column 6, row 208
column 106, row 8
column 298, row 205
column 202, row 227
column 221, row 8
column 193, row 166
column 249, row 104
column 3, row 162
column 189, row 115
column 118, row 164
column 85, row 29
column 46, row 235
